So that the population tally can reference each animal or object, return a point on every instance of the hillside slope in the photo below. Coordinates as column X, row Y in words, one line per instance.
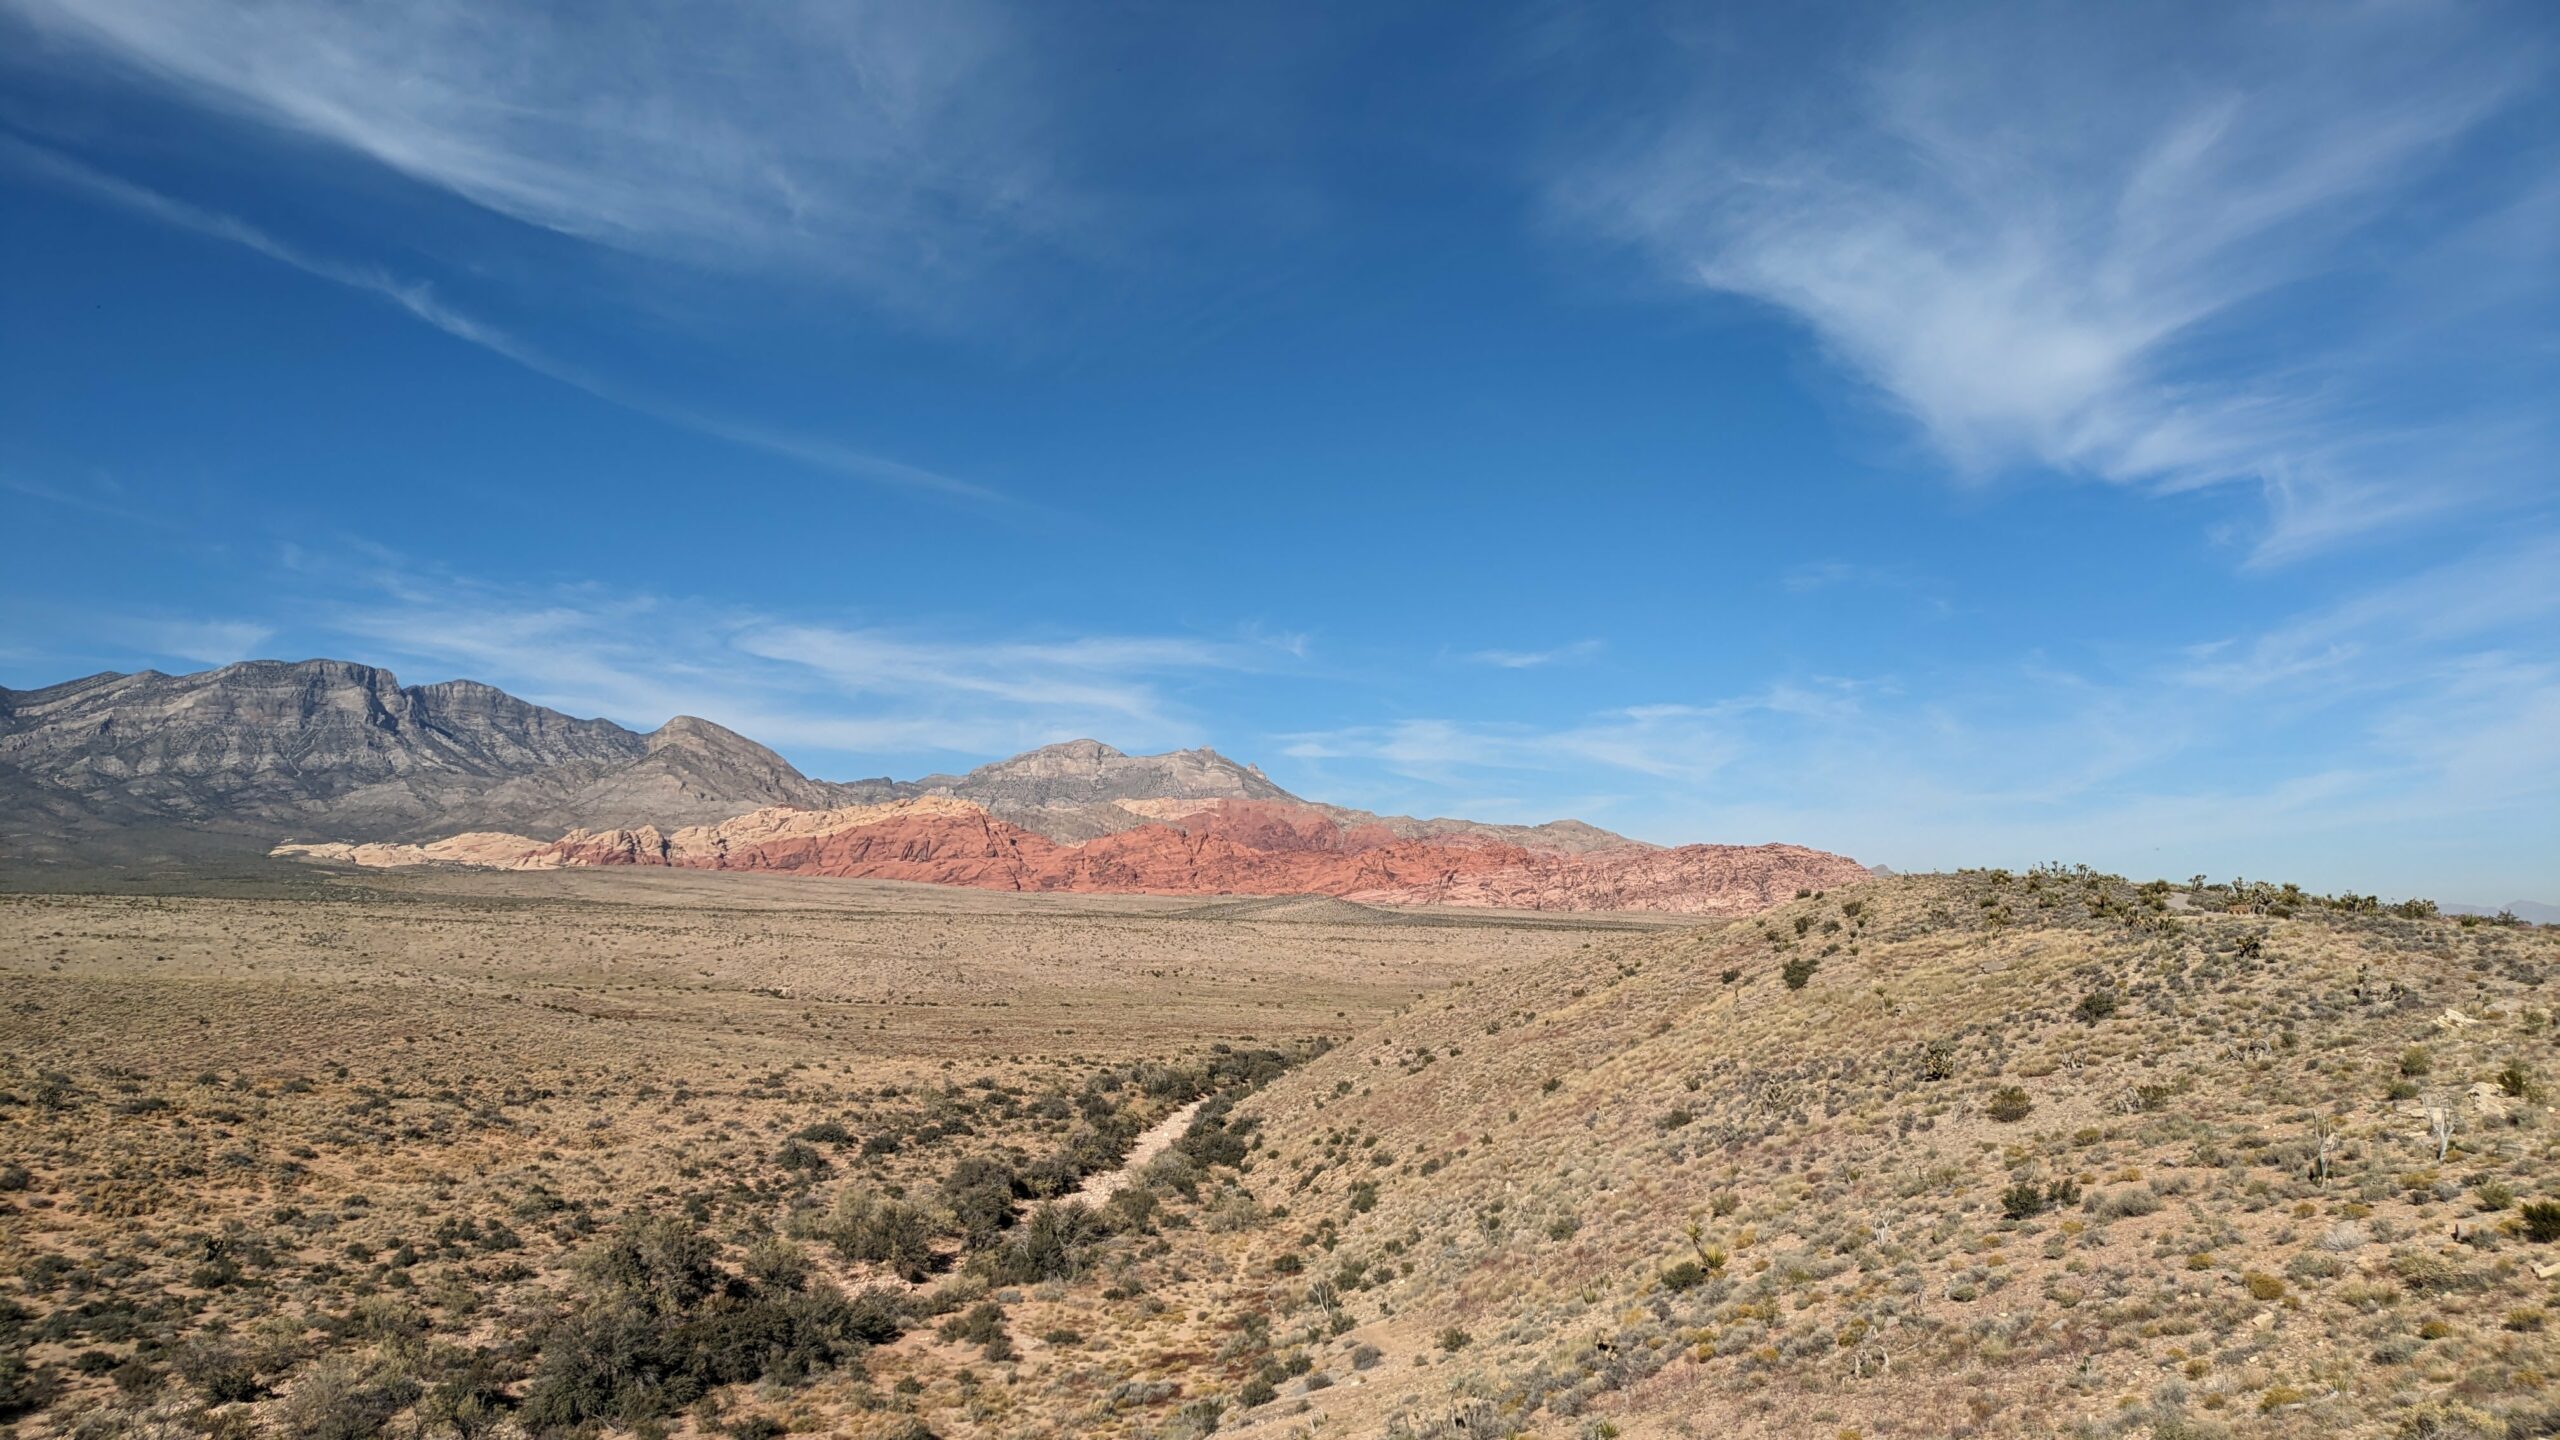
column 2024, row 1155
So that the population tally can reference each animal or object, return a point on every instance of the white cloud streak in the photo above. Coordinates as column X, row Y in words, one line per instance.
column 1535, row 659
column 420, row 301
column 882, row 145
column 864, row 691
column 2058, row 245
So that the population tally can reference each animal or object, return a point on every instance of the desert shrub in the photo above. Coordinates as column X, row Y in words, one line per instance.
column 774, row 1263
column 2125, row 1202
column 337, row 1400
column 2415, row 1061
column 1799, row 971
column 1051, row 1175
column 1454, row 1340
column 887, row 1233
column 1130, row 1208
column 2095, row 1006
column 2431, row 1274
column 1684, row 1276
column 466, row 1399
column 1211, row 1140
column 1048, row 1246
column 2516, row 1079
column 2263, row 1286
column 658, row 1324
column 2312, row 1265
column 2542, row 1221
column 1256, row 1391
column 979, row 1192
column 980, row 1324
column 2026, row 1199
column 24, row 1387
column 2009, row 1104
column 800, row 1158
column 224, row 1372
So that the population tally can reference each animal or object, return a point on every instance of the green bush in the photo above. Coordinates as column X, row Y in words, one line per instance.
column 658, row 1324
column 1684, row 1276
column 1799, row 971
column 337, row 1400
column 2542, row 1221
column 979, row 1192
column 24, row 1387
column 2009, row 1104
column 2095, row 1006
column 1048, row 1246
column 887, row 1233
column 224, row 1372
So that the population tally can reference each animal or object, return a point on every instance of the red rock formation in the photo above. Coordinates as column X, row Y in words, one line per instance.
column 1225, row 847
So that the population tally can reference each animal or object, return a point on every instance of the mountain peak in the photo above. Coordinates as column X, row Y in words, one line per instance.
column 693, row 730
column 1073, row 750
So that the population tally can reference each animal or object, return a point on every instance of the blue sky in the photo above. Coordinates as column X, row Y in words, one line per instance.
column 1945, row 434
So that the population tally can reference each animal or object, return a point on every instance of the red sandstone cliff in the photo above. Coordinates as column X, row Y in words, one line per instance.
column 1222, row 847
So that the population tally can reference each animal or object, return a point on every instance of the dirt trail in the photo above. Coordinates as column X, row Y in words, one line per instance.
column 1159, row 1136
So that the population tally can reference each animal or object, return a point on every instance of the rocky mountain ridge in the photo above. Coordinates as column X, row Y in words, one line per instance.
column 344, row 763
column 343, row 752
column 267, row 747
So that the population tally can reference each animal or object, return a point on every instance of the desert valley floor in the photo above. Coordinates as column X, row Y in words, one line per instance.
column 327, row 1152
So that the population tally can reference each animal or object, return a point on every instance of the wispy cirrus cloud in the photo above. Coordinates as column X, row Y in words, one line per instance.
column 422, row 302
column 858, row 692
column 1534, row 659
column 878, row 145
column 2057, row 245
column 142, row 636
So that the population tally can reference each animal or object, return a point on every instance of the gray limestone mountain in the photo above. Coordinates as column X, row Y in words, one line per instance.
column 265, row 748
column 236, row 758
column 1078, row 789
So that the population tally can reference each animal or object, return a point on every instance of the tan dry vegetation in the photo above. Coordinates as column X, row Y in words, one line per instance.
column 325, row 1166
column 1655, row 1191
column 2021, row 1155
